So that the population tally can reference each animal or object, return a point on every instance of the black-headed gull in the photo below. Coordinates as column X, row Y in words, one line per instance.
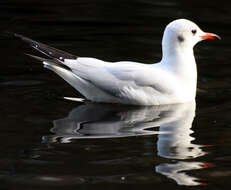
column 172, row 80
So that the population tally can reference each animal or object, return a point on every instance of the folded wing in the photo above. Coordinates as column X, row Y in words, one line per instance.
column 97, row 80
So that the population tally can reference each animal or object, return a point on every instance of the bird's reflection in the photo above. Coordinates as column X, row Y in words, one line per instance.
column 108, row 121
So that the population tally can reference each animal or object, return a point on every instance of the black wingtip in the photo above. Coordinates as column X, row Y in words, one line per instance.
column 48, row 61
column 19, row 36
column 16, row 35
column 31, row 42
column 49, row 51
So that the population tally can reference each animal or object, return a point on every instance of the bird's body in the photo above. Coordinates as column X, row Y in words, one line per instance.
column 126, row 82
column 172, row 80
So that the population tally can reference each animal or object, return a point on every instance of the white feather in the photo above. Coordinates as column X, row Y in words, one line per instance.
column 172, row 80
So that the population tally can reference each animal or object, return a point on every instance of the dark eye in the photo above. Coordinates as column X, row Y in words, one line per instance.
column 194, row 32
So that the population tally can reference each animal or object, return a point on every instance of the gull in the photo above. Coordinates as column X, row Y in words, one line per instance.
column 170, row 81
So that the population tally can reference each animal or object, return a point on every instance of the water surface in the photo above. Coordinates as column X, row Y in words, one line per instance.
column 48, row 142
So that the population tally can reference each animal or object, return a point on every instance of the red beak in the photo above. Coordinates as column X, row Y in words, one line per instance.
column 210, row 36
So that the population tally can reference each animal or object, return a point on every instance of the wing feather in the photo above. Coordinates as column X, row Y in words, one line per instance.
column 116, row 78
column 49, row 51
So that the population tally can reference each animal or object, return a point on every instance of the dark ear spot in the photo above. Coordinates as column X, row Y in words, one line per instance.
column 180, row 38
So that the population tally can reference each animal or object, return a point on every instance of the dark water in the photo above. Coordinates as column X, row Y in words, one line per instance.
column 48, row 142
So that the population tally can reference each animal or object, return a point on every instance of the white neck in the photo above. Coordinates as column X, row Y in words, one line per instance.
column 179, row 58
column 181, row 62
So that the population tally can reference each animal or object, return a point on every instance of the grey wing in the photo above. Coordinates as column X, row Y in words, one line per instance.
column 146, row 76
column 95, row 72
column 117, row 79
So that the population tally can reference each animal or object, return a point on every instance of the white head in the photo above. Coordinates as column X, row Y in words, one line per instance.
column 181, row 35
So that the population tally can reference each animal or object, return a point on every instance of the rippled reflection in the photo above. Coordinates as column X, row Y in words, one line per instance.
column 112, row 121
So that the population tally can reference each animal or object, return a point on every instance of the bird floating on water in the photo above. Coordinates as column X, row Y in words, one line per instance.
column 172, row 80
